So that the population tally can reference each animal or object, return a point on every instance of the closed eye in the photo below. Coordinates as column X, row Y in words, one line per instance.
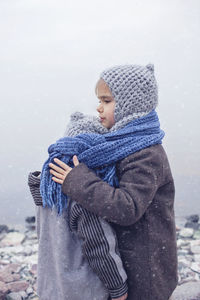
column 104, row 100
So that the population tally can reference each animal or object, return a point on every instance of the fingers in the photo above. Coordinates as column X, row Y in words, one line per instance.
column 58, row 175
column 75, row 160
column 61, row 163
column 57, row 180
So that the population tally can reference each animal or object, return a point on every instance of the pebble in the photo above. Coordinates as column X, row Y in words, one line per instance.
column 187, row 232
column 12, row 239
column 13, row 296
column 18, row 261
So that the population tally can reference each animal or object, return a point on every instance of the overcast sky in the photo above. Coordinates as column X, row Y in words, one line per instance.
column 51, row 55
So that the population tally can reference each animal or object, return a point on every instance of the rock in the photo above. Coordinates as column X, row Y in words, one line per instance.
column 12, row 249
column 32, row 259
column 23, row 294
column 181, row 242
column 27, row 250
column 182, row 252
column 197, row 235
column 193, row 218
column 29, row 290
column 34, row 269
column 13, row 268
column 197, row 257
column 12, row 239
column 182, row 263
column 195, row 226
column 8, row 277
column 3, row 290
column 187, row 291
column 30, row 219
column 9, row 273
column 3, row 228
column 195, row 266
column 18, row 286
column 195, row 247
column 4, row 262
column 13, row 296
column 187, row 232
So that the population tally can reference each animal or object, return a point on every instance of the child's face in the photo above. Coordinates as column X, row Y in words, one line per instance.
column 106, row 106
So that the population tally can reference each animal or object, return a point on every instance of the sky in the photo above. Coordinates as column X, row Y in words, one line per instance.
column 51, row 55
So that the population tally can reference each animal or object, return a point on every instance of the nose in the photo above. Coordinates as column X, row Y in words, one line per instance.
column 100, row 108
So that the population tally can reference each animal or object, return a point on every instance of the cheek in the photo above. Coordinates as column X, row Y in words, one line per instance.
column 113, row 111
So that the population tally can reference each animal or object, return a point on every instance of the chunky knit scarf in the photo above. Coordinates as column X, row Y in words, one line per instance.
column 99, row 152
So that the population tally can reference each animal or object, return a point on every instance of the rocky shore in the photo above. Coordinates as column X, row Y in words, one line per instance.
column 18, row 261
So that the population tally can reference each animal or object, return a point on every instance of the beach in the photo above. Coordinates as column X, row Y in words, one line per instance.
column 19, row 253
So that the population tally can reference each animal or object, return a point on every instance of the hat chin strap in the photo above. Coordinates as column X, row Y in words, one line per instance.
column 123, row 118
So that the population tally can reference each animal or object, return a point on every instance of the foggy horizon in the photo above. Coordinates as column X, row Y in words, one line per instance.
column 51, row 55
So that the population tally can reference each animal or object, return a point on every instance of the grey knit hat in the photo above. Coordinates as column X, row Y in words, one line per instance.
column 134, row 89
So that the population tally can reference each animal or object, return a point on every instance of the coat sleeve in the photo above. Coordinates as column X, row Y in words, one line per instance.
column 34, row 186
column 100, row 249
column 140, row 178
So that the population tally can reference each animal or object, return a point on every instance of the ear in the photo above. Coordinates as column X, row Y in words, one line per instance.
column 150, row 67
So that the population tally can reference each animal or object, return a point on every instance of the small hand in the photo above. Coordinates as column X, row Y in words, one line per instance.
column 122, row 297
column 61, row 173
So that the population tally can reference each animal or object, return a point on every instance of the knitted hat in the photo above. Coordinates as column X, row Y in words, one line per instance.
column 134, row 89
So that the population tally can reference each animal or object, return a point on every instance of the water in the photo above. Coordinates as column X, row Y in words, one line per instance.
column 17, row 204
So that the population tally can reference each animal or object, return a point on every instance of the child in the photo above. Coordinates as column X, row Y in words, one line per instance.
column 140, row 206
column 63, row 272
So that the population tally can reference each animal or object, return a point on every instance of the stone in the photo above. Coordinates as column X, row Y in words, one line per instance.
column 30, row 219
column 195, row 266
column 181, row 242
column 4, row 262
column 8, row 273
column 195, row 246
column 27, row 250
column 29, row 290
column 193, row 218
column 186, row 232
column 32, row 259
column 3, row 228
column 32, row 235
column 13, row 268
column 12, row 239
column 195, row 226
column 182, row 263
column 187, row 291
column 3, row 290
column 23, row 294
column 33, row 269
column 197, row 235
column 18, row 286
column 35, row 287
column 12, row 249
column 182, row 252
column 187, row 279
column 13, row 296
column 8, row 277
column 197, row 257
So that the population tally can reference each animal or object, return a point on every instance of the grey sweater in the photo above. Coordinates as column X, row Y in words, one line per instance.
column 77, row 256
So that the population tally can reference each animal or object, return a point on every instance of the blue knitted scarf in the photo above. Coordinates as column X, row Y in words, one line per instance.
column 99, row 152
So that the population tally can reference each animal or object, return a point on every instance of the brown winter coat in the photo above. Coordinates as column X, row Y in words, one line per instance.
column 141, row 211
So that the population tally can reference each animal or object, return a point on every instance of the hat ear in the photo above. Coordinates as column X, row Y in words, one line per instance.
column 150, row 67
column 76, row 116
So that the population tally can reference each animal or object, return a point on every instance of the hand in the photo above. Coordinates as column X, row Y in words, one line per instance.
column 122, row 297
column 61, row 173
